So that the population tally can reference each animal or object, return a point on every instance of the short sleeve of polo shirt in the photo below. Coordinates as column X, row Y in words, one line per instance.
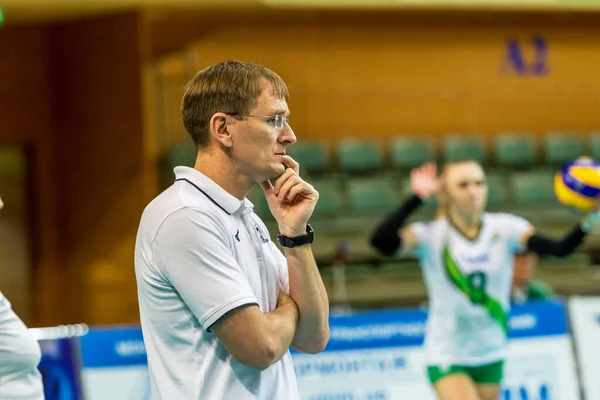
column 193, row 253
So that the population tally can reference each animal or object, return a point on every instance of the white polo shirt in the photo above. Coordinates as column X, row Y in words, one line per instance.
column 200, row 253
column 20, row 356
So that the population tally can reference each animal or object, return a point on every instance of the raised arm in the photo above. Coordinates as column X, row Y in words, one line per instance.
column 391, row 235
column 292, row 202
column 565, row 246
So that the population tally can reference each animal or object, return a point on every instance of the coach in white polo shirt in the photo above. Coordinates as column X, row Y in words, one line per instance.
column 220, row 304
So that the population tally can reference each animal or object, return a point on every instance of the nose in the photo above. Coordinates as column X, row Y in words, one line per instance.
column 287, row 135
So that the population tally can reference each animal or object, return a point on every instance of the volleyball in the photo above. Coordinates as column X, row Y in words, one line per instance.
column 577, row 184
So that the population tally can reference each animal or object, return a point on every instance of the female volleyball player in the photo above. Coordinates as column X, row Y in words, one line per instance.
column 19, row 356
column 467, row 259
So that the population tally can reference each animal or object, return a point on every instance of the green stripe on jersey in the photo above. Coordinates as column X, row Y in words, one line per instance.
column 477, row 295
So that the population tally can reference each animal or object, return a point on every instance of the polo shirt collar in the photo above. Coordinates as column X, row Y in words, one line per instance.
column 213, row 192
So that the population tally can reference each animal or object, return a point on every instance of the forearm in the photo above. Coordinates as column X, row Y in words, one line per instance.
column 386, row 238
column 308, row 291
column 558, row 248
column 281, row 327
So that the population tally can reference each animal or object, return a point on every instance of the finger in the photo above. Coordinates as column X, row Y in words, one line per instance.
column 300, row 189
column 288, row 185
column 282, row 179
column 290, row 162
column 430, row 168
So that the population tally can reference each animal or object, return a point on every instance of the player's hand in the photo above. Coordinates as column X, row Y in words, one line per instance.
column 591, row 219
column 424, row 181
column 292, row 200
column 1, row 204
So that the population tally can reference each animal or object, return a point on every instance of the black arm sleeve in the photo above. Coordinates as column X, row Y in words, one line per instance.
column 544, row 246
column 385, row 238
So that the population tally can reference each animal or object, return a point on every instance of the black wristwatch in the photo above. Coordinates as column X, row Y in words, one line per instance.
column 286, row 241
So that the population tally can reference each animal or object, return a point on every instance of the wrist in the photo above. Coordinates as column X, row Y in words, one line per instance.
column 588, row 223
column 307, row 237
column 416, row 199
column 292, row 232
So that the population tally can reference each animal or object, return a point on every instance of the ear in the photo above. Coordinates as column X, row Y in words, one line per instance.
column 219, row 128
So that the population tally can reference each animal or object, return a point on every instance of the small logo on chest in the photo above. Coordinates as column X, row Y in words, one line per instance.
column 478, row 259
column 263, row 238
column 237, row 235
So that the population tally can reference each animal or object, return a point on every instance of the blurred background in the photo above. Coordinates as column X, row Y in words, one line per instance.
column 90, row 129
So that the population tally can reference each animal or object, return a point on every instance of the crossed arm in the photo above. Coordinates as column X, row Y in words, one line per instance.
column 201, row 267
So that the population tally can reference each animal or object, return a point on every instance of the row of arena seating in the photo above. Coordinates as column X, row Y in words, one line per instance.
column 509, row 151
column 351, row 202
column 367, row 196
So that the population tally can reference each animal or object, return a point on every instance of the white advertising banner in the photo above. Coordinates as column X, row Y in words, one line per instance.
column 378, row 356
column 584, row 314
column 371, row 356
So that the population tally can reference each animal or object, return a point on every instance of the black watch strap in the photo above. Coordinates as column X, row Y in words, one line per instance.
column 286, row 241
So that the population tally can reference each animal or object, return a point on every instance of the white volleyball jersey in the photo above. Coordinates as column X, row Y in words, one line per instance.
column 468, row 283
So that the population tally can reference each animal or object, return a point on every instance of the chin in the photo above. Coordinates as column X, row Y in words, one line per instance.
column 274, row 172
column 277, row 170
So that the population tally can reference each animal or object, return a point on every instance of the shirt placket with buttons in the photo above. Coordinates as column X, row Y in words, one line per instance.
column 260, row 256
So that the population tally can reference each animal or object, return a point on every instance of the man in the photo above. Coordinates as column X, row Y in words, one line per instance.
column 20, row 356
column 220, row 305
column 524, row 286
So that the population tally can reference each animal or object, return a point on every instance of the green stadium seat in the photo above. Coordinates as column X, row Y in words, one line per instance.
column 594, row 145
column 464, row 147
column 313, row 156
column 372, row 196
column 562, row 147
column 258, row 199
column 409, row 153
column 398, row 269
column 354, row 270
column 182, row 153
column 497, row 190
column 331, row 200
column 533, row 189
column 514, row 150
column 359, row 155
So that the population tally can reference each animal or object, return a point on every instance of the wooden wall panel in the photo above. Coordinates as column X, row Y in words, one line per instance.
column 100, row 147
column 370, row 76
column 25, row 118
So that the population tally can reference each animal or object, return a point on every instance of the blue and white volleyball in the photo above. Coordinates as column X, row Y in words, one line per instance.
column 577, row 184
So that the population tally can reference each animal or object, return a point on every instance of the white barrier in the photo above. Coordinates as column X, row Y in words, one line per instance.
column 114, row 365
column 379, row 356
column 584, row 313
column 371, row 356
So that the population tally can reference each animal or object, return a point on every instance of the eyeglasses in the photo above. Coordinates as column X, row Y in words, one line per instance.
column 277, row 121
